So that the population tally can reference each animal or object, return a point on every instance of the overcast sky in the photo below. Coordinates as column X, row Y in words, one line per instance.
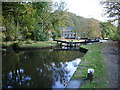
column 86, row 8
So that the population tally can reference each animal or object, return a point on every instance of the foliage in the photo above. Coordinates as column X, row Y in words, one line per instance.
column 94, row 28
column 112, row 10
column 84, row 27
column 109, row 30
column 32, row 20
column 18, row 20
column 29, row 41
column 40, row 21
column 43, row 24
column 91, row 28
column 58, row 18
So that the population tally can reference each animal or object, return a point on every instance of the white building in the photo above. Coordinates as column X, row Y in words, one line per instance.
column 68, row 33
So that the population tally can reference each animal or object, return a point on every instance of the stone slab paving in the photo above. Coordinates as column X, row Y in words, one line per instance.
column 75, row 83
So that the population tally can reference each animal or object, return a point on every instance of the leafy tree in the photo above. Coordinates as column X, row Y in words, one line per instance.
column 94, row 30
column 18, row 19
column 108, row 30
column 43, row 20
column 28, row 21
column 58, row 18
column 32, row 20
column 84, row 27
column 49, row 21
column 112, row 9
column 10, row 19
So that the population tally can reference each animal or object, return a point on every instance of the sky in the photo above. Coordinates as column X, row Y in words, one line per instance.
column 86, row 8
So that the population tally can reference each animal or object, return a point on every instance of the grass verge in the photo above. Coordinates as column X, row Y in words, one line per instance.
column 39, row 44
column 92, row 59
column 23, row 44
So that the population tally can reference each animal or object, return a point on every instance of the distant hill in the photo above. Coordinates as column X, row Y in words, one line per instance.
column 85, row 27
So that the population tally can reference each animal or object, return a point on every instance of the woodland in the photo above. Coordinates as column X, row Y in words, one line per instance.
column 39, row 21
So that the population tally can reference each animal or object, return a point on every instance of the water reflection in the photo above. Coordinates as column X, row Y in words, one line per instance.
column 63, row 78
column 50, row 68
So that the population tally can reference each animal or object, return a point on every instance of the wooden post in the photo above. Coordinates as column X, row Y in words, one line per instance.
column 75, row 44
column 61, row 44
column 70, row 44
column 67, row 44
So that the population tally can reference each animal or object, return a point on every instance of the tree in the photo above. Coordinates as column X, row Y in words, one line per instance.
column 28, row 21
column 17, row 19
column 94, row 30
column 43, row 20
column 58, row 18
column 108, row 30
column 32, row 20
column 49, row 18
column 112, row 9
column 10, row 19
column 84, row 27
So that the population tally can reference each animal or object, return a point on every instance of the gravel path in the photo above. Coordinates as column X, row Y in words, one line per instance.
column 111, row 55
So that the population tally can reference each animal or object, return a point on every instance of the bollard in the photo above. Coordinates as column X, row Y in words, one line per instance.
column 90, row 74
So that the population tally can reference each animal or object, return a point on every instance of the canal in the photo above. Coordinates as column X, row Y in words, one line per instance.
column 44, row 68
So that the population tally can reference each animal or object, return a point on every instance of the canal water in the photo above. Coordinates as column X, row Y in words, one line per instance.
column 46, row 68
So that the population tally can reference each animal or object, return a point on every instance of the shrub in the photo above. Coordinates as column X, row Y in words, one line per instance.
column 29, row 41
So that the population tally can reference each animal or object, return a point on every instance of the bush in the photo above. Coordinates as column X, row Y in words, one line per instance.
column 29, row 41
column 21, row 42
column 14, row 45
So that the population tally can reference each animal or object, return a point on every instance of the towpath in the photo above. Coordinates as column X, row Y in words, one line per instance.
column 111, row 57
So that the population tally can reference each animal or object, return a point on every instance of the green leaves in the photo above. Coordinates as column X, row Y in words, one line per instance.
column 108, row 30
column 112, row 9
column 84, row 27
column 35, row 21
column 17, row 16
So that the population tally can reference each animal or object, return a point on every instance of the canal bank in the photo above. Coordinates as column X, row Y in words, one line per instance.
column 111, row 55
column 92, row 59
column 24, row 45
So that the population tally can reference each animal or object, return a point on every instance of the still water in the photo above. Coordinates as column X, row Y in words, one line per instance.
column 48, row 68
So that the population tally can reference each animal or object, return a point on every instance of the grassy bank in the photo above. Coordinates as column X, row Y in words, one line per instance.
column 39, row 44
column 32, row 44
column 93, row 59
column 23, row 44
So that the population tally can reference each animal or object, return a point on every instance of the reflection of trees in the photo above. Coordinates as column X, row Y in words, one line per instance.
column 40, row 65
column 11, row 71
column 36, row 68
column 60, row 73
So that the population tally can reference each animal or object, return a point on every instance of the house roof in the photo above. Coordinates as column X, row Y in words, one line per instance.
column 67, row 28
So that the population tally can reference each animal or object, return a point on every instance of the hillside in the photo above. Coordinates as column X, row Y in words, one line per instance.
column 85, row 27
